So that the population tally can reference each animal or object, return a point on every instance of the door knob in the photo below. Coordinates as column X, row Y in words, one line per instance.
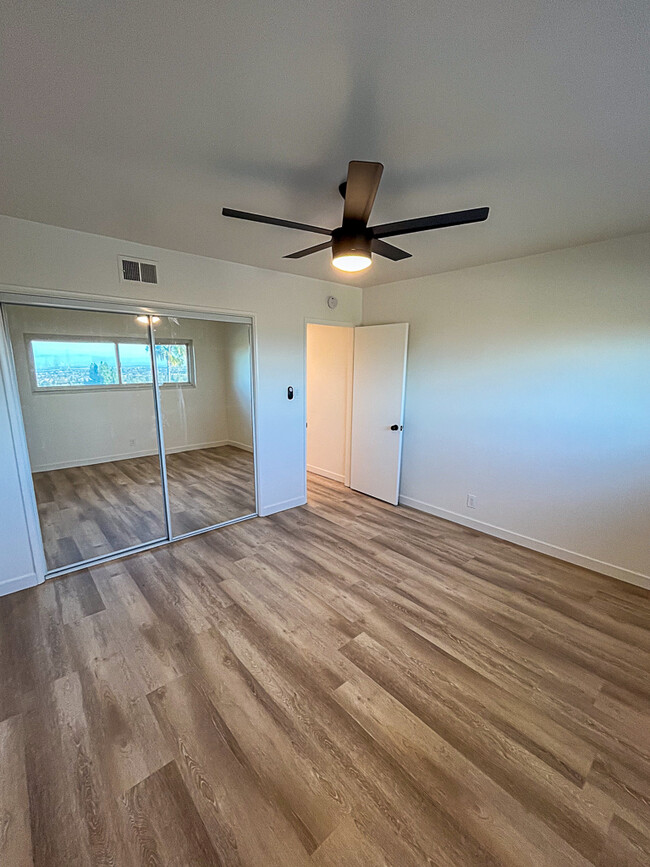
column 394, row 427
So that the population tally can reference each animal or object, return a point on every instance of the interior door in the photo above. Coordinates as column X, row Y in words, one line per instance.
column 378, row 409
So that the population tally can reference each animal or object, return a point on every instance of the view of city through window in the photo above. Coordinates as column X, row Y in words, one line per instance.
column 92, row 363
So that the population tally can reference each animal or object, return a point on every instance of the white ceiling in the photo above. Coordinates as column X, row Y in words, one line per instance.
column 140, row 120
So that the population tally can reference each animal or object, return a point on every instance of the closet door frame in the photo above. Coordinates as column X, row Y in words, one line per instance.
column 9, row 296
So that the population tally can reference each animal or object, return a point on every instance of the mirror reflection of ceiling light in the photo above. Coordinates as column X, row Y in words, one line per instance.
column 144, row 320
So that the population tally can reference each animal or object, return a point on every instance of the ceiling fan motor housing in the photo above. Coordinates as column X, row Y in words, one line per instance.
column 351, row 239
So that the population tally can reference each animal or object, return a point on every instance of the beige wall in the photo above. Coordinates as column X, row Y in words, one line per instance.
column 329, row 384
column 528, row 385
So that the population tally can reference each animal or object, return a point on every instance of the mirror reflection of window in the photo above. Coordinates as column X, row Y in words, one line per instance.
column 73, row 363
column 84, row 362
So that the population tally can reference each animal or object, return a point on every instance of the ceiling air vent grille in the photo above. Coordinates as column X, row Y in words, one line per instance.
column 135, row 271
column 148, row 273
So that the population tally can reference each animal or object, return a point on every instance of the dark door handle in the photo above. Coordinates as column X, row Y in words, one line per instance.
column 394, row 427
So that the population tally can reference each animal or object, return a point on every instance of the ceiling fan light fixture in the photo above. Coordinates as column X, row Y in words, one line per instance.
column 351, row 262
column 351, row 248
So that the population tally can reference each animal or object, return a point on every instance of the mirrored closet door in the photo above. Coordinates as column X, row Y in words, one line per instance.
column 125, row 453
column 204, row 374
column 87, row 398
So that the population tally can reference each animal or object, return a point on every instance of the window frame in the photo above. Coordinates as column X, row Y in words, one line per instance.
column 116, row 386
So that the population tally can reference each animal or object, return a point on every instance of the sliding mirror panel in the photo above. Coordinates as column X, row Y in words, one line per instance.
column 86, row 389
column 204, row 377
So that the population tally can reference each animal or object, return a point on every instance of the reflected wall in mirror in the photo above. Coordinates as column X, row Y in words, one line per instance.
column 86, row 390
column 204, row 373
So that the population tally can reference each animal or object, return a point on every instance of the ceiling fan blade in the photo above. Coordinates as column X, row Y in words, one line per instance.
column 308, row 251
column 381, row 248
column 274, row 221
column 422, row 224
column 360, row 191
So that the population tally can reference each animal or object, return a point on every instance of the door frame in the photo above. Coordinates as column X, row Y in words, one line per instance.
column 21, row 453
column 12, row 295
column 309, row 320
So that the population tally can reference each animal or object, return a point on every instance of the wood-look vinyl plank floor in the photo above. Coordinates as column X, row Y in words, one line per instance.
column 345, row 684
column 91, row 511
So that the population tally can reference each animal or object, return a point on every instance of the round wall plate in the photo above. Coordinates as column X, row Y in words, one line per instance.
column 332, row 301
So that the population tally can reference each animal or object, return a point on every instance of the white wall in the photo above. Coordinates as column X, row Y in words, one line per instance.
column 35, row 257
column 329, row 384
column 528, row 385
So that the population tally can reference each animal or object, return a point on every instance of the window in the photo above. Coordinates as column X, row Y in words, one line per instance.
column 78, row 362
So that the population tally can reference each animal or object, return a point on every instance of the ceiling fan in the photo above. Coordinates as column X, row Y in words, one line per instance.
column 354, row 241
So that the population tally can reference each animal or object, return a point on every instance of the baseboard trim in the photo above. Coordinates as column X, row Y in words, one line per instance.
column 144, row 453
column 243, row 446
column 568, row 556
column 336, row 477
column 20, row 582
column 282, row 506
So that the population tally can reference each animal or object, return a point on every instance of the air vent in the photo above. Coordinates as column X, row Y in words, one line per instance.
column 148, row 273
column 130, row 270
column 135, row 271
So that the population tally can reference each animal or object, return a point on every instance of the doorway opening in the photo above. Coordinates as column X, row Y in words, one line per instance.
column 355, row 389
column 329, row 374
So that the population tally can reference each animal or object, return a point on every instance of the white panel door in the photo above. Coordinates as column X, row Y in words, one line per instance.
column 378, row 409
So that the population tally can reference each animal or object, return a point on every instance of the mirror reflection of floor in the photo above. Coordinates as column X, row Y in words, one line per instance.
column 94, row 510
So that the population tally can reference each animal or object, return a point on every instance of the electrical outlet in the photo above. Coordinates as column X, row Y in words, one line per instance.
column 471, row 501
column 131, row 442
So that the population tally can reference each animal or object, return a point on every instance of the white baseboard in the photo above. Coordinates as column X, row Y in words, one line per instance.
column 144, row 453
column 604, row 568
column 21, row 582
column 336, row 477
column 244, row 446
column 282, row 506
